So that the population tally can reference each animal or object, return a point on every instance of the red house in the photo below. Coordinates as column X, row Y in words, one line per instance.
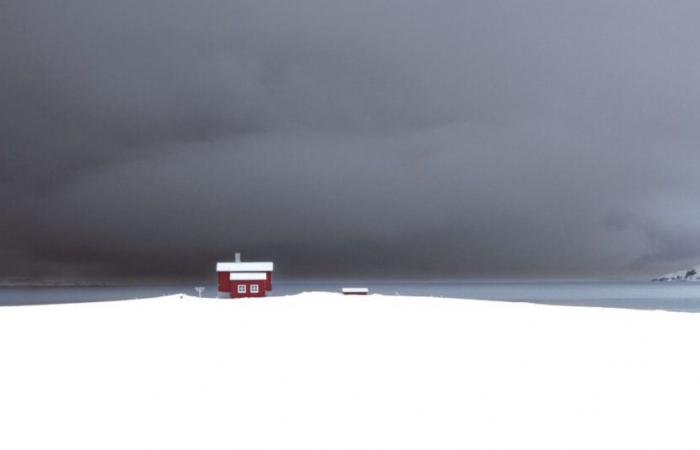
column 244, row 279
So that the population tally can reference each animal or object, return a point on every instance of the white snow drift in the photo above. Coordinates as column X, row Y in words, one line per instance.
column 323, row 371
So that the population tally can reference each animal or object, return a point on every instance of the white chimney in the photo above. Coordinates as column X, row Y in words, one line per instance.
column 238, row 257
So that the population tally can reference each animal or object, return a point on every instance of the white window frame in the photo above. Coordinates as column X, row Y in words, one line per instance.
column 254, row 289
column 241, row 289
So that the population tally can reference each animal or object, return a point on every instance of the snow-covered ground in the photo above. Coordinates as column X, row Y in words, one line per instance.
column 322, row 371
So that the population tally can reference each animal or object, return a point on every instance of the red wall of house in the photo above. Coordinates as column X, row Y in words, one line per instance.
column 248, row 284
column 224, row 282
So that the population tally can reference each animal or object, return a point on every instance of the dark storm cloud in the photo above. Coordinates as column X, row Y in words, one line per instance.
column 152, row 138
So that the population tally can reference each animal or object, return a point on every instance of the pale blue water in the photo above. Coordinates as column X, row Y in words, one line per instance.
column 635, row 295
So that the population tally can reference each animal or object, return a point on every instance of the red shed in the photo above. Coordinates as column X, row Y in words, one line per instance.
column 226, row 269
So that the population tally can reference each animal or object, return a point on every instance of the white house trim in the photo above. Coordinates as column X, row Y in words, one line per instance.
column 247, row 276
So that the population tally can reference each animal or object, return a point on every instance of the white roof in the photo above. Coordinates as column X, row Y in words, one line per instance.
column 248, row 276
column 355, row 290
column 244, row 267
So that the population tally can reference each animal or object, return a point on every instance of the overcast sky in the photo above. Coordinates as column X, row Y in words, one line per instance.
column 149, row 138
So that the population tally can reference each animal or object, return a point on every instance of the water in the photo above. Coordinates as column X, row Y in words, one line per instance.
column 635, row 295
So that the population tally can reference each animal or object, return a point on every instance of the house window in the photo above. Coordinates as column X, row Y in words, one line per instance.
column 241, row 288
column 254, row 289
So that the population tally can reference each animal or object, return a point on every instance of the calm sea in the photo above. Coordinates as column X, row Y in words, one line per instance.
column 635, row 295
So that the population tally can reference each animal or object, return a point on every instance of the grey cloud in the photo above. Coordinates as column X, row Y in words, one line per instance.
column 392, row 138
